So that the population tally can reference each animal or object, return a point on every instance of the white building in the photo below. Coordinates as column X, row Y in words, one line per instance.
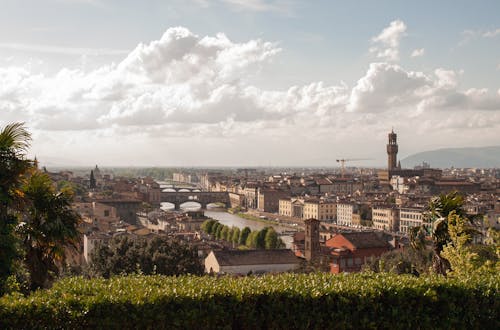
column 345, row 212
column 410, row 217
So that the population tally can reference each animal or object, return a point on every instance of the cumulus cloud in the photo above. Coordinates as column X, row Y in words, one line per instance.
column 386, row 44
column 188, row 86
column 389, row 87
column 418, row 52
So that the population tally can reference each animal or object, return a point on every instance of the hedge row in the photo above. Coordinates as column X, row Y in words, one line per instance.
column 287, row 301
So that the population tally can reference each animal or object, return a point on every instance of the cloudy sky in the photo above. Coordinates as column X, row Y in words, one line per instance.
column 248, row 82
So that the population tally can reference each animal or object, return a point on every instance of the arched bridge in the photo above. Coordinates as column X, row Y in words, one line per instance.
column 202, row 197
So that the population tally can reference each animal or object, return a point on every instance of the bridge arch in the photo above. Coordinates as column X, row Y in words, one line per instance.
column 203, row 198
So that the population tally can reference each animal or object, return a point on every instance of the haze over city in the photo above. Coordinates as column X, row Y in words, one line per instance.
column 255, row 82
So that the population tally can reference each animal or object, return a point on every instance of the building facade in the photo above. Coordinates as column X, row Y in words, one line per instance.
column 385, row 218
column 410, row 217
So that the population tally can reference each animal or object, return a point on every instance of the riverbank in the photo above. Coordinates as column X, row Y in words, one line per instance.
column 255, row 218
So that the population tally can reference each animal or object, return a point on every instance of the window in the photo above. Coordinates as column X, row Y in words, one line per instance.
column 349, row 262
column 106, row 213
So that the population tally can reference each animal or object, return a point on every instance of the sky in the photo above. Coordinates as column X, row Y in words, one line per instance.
column 248, row 82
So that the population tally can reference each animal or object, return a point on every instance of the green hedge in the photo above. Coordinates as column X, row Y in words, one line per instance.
column 287, row 301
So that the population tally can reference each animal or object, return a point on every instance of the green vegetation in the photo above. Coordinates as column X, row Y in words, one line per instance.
column 453, row 252
column 36, row 221
column 267, row 238
column 159, row 255
column 286, row 301
column 254, row 218
column 48, row 227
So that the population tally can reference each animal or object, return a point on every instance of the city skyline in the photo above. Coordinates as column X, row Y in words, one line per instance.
column 257, row 83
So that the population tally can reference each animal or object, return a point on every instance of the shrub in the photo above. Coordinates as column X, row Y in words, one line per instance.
column 286, row 301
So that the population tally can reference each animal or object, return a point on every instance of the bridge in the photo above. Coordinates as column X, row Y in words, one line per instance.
column 181, row 189
column 202, row 197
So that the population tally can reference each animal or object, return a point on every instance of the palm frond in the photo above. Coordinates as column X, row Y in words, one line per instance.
column 15, row 137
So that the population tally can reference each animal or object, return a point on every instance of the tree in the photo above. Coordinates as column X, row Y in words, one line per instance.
column 440, row 208
column 207, row 225
column 14, row 142
column 236, row 235
column 215, row 227
column 229, row 236
column 218, row 231
column 464, row 257
column 49, row 225
column 243, row 236
column 271, row 239
column 159, row 255
column 261, row 238
column 252, row 239
column 224, row 232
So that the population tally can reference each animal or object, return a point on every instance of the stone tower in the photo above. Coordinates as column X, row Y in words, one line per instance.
column 392, row 151
column 312, row 248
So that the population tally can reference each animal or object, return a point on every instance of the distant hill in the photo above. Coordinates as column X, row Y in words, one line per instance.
column 484, row 157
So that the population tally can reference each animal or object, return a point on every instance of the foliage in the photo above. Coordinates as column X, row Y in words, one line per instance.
column 464, row 257
column 49, row 225
column 437, row 217
column 236, row 235
column 244, row 235
column 285, row 301
column 267, row 238
column 271, row 240
column 159, row 255
column 14, row 142
column 223, row 233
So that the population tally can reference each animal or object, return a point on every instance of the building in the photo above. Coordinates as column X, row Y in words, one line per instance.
column 345, row 213
column 268, row 200
column 394, row 167
column 385, row 218
column 243, row 262
column 410, row 217
column 91, row 240
column 250, row 193
column 312, row 249
column 351, row 250
column 392, row 152
column 321, row 209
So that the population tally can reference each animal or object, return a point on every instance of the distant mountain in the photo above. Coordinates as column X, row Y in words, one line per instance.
column 484, row 157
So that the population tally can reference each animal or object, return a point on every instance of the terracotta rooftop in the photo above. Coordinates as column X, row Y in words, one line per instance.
column 255, row 257
column 365, row 240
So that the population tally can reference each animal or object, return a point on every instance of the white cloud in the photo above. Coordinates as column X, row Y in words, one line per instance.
column 387, row 87
column 387, row 42
column 184, row 86
column 491, row 34
column 469, row 35
column 418, row 52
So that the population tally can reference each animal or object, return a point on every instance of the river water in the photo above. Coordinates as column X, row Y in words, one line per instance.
column 230, row 220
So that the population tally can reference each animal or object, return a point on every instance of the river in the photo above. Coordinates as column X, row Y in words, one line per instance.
column 230, row 220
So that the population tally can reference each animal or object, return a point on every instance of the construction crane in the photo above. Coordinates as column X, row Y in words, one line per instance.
column 342, row 162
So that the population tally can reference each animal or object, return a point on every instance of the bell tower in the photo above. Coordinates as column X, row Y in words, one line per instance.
column 312, row 248
column 392, row 151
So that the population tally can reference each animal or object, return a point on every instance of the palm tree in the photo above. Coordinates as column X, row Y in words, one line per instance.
column 14, row 142
column 49, row 225
column 440, row 208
